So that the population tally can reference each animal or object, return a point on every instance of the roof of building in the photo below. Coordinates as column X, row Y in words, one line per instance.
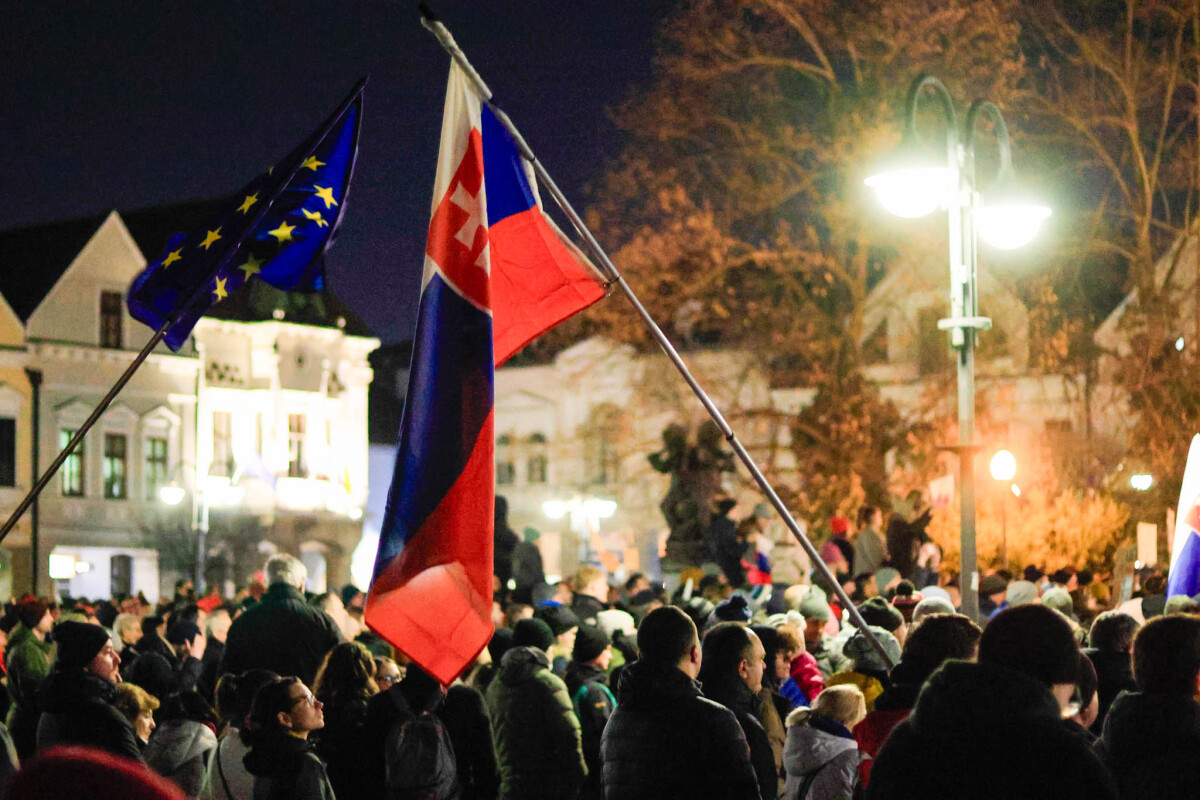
column 33, row 259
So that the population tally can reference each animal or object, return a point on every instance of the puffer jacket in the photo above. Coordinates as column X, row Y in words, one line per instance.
column 819, row 747
column 1150, row 742
column 538, row 745
column 76, row 710
column 283, row 633
column 179, row 750
column 666, row 741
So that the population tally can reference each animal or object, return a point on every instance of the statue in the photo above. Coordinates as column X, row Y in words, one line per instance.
column 695, row 472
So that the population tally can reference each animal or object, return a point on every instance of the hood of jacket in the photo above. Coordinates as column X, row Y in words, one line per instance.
column 276, row 754
column 647, row 684
column 580, row 674
column 808, row 748
column 177, row 741
column 960, row 695
column 521, row 664
column 67, row 690
column 1140, row 725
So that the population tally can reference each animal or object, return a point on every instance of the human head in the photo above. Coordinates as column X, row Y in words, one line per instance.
column 67, row 771
column 1113, row 632
column 84, row 646
column 733, row 651
column 218, row 623
column 387, row 673
column 235, row 694
column 937, row 639
column 816, row 615
column 533, row 633
column 1060, row 600
column 668, row 637
column 517, row 612
column 563, row 623
column 930, row 606
column 637, row 582
column 993, row 586
column 182, row 636
column 844, row 703
column 865, row 657
column 1020, row 593
column 1034, row 640
column 869, row 517
column 1166, row 655
column 779, row 647
column 592, row 646
column 34, row 613
column 136, row 705
column 281, row 707
column 346, row 674
column 592, row 581
column 286, row 569
column 878, row 612
column 735, row 609
column 128, row 628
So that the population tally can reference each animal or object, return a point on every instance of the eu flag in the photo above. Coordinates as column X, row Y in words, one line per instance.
column 277, row 228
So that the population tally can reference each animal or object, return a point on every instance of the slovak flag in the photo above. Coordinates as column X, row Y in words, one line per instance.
column 492, row 263
column 1184, row 577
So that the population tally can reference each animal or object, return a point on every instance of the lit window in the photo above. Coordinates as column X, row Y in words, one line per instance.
column 115, row 467
column 156, row 466
column 222, row 460
column 296, row 425
column 72, row 468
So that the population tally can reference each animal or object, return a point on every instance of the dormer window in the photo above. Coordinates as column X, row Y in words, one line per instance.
column 110, row 320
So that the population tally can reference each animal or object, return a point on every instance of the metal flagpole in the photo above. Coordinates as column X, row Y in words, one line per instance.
column 434, row 25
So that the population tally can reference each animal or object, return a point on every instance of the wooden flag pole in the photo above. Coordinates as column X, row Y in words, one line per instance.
column 431, row 22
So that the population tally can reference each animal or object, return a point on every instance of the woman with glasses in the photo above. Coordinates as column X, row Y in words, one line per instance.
column 281, row 758
column 344, row 685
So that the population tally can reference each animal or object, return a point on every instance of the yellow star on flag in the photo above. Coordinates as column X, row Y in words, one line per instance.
column 312, row 163
column 326, row 194
column 220, row 292
column 316, row 217
column 252, row 266
column 172, row 257
column 250, row 200
column 283, row 233
column 211, row 238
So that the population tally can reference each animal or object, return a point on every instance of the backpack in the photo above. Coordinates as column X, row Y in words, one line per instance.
column 420, row 761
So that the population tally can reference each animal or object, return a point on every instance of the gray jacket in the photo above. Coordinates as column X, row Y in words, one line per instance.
column 833, row 759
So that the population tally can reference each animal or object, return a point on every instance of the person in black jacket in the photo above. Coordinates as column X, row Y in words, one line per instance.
column 282, row 633
column 732, row 675
column 345, row 686
column 587, row 685
column 1111, row 637
column 163, row 678
column 76, row 698
column 666, row 741
column 281, row 758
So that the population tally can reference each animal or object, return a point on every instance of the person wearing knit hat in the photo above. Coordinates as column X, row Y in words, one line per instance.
column 879, row 612
column 76, row 698
column 735, row 609
column 163, row 678
column 817, row 615
column 539, row 749
column 68, row 772
column 614, row 619
column 591, row 697
column 870, row 671
column 563, row 623
column 27, row 661
column 931, row 605
column 1020, row 593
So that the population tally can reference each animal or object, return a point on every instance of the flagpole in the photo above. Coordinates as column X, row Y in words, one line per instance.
column 97, row 412
column 435, row 26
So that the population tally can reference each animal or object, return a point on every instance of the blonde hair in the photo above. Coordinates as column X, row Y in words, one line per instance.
column 586, row 574
column 131, row 700
column 844, row 703
column 127, row 622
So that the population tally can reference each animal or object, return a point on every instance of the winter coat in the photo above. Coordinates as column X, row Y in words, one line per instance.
column 1114, row 674
column 594, row 703
column 226, row 777
column 824, row 752
column 891, row 708
column 772, row 709
column 869, row 685
column 789, row 563
column 868, row 551
column 28, row 661
column 527, row 569
column 286, row 768
column 282, row 633
column 988, row 733
column 345, row 747
column 806, row 673
column 179, row 750
column 666, row 741
column 163, row 678
column 735, row 695
column 210, row 669
column 76, row 709
column 829, row 658
column 1151, row 743
column 538, row 744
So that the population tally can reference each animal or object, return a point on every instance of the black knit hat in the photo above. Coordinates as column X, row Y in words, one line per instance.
column 78, row 643
column 1034, row 640
column 533, row 633
column 560, row 618
column 501, row 643
column 590, row 642
column 735, row 609
column 182, row 632
column 878, row 612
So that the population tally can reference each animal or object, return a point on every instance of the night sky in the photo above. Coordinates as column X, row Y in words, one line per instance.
column 146, row 102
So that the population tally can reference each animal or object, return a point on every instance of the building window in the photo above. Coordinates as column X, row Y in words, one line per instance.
column 296, row 425
column 537, row 465
column 156, row 466
column 114, row 466
column 601, row 440
column 72, row 468
column 506, row 471
column 933, row 344
column 8, row 451
column 258, row 433
column 110, row 319
column 222, row 460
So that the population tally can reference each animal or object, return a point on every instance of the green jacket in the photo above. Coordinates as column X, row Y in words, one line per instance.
column 28, row 662
column 538, row 744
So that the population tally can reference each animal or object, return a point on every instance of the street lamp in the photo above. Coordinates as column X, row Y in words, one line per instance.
column 214, row 490
column 914, row 183
column 1004, row 468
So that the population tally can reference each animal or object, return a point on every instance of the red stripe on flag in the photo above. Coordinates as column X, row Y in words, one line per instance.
column 434, row 601
column 536, row 281
column 463, row 266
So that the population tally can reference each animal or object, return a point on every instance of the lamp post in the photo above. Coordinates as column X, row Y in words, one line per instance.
column 1003, row 468
column 172, row 494
column 913, row 185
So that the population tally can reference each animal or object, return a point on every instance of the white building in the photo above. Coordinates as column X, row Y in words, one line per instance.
column 260, row 420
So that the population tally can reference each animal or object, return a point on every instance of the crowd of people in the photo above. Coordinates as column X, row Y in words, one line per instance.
column 746, row 684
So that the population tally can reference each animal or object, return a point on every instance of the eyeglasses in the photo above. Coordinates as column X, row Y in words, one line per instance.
column 305, row 698
column 387, row 679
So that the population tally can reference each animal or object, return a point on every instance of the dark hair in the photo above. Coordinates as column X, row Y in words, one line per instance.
column 1166, row 655
column 187, row 705
column 235, row 694
column 1032, row 639
column 725, row 646
column 150, row 624
column 270, row 700
column 864, row 515
column 1113, row 631
column 633, row 579
column 666, row 635
column 937, row 639
column 346, row 676
column 184, row 613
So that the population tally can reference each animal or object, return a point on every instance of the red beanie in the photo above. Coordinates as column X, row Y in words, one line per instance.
column 85, row 772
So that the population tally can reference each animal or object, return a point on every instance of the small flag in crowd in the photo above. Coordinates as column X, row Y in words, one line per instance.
column 277, row 228
column 1184, row 575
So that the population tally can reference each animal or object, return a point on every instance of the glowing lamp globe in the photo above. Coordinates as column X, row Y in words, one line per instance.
column 171, row 495
column 1010, row 225
column 1003, row 466
column 914, row 191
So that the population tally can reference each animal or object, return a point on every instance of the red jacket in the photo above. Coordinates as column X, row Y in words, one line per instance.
column 872, row 732
column 807, row 676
